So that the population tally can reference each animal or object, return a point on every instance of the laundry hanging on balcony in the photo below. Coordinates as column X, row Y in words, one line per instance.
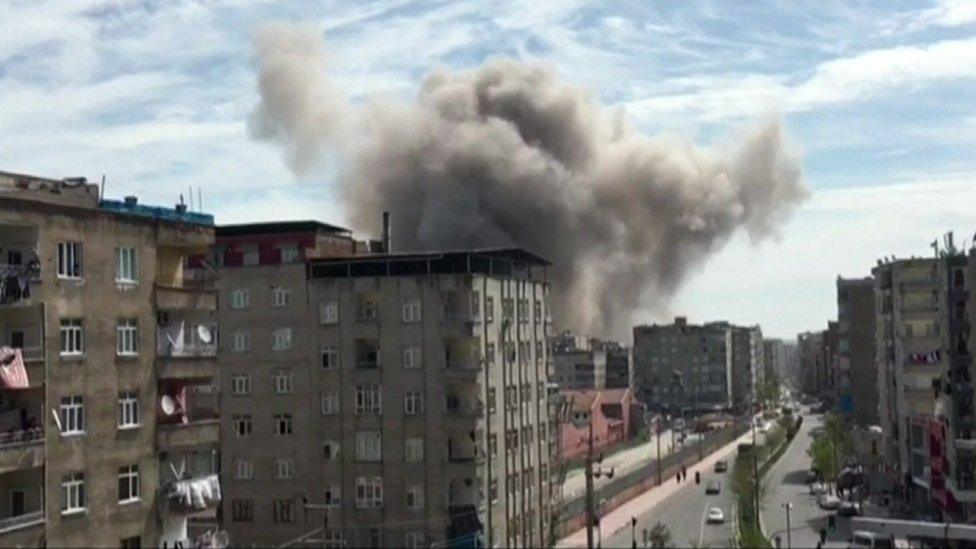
column 192, row 495
column 13, row 374
column 174, row 339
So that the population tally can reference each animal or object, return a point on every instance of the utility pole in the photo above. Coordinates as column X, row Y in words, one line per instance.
column 589, row 488
column 658, row 423
column 789, row 540
column 755, row 464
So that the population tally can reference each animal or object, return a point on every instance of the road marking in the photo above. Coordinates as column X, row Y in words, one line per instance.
column 701, row 535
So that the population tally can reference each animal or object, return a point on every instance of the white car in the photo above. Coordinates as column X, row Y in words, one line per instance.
column 829, row 502
column 816, row 488
column 715, row 515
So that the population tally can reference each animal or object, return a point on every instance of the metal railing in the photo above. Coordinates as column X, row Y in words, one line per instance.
column 21, row 521
column 21, row 437
column 186, row 343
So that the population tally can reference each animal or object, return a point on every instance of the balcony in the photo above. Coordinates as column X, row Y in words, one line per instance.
column 186, row 340
column 26, row 530
column 466, row 370
column 185, row 298
column 181, row 436
column 186, row 368
column 22, row 449
column 18, row 283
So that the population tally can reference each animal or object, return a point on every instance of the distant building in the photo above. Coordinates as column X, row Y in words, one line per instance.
column 857, row 367
column 614, row 413
column 585, row 363
column 812, row 363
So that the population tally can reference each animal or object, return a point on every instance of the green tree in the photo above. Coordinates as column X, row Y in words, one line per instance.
column 659, row 537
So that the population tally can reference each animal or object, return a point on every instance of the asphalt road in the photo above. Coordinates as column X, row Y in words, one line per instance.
column 684, row 514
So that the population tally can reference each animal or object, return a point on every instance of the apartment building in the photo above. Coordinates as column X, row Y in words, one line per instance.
column 812, row 362
column 107, row 415
column 269, row 406
column 780, row 360
column 581, row 363
column 857, row 371
column 684, row 366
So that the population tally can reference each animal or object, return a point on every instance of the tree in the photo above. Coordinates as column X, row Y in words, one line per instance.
column 659, row 537
column 830, row 449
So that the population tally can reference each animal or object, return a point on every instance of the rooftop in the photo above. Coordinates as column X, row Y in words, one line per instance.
column 490, row 261
column 275, row 227
column 156, row 212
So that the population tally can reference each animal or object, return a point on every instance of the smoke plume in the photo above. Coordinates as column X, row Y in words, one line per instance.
column 509, row 154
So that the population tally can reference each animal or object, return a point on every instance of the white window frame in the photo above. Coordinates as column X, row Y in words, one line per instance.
column 130, row 475
column 333, row 496
column 126, row 265
column 416, row 539
column 240, row 384
column 413, row 403
column 240, row 421
column 331, row 450
column 412, row 311
column 330, row 404
column 281, row 339
column 284, row 425
column 330, row 357
column 127, row 337
column 250, row 255
column 289, row 253
column 369, row 492
column 369, row 446
column 241, row 341
column 240, row 298
column 128, row 410
column 71, row 257
column 369, row 399
column 280, row 296
column 413, row 450
column 72, row 415
column 73, row 497
column 243, row 469
column 415, row 492
column 284, row 469
column 328, row 312
column 413, row 358
column 72, row 332
column 283, row 381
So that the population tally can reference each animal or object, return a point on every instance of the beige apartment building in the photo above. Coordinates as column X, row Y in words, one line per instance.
column 104, row 422
column 382, row 399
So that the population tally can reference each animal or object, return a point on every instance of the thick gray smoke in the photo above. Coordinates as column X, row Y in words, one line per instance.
column 509, row 154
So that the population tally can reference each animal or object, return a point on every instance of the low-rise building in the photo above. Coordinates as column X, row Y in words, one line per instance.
column 613, row 414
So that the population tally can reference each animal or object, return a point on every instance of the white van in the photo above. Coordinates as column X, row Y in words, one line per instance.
column 870, row 540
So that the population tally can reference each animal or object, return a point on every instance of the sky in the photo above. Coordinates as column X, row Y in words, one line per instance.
column 877, row 97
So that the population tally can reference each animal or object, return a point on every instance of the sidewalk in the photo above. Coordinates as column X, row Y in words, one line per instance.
column 623, row 462
column 619, row 518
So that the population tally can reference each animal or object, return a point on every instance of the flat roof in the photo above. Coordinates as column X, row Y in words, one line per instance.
column 156, row 212
column 492, row 261
column 273, row 227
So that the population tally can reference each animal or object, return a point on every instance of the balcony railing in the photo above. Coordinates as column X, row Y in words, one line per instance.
column 187, row 340
column 11, row 439
column 367, row 364
column 17, row 281
column 21, row 521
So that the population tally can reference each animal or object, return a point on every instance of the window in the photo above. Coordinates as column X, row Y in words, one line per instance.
column 369, row 399
column 413, row 450
column 72, row 493
column 250, row 255
column 281, row 339
column 330, row 450
column 333, row 495
column 242, row 510
column 333, row 538
column 127, row 337
column 415, row 497
column 490, row 353
column 72, row 337
column 374, row 538
column 537, row 310
column 280, row 296
column 126, row 267
column 283, row 381
column 489, row 309
column 493, row 445
column 491, row 400
column 416, row 540
column 242, row 424
column 330, row 357
column 413, row 403
column 283, row 510
column 282, row 424
column 369, row 446
column 240, row 384
column 128, row 410
column 284, row 469
column 289, row 254
column 135, row 542
column 128, row 484
column 330, row 404
column 329, row 312
column 411, row 310
column 538, row 351
column 241, row 341
column 412, row 357
column 369, row 492
column 243, row 469
column 72, row 415
column 240, row 298
column 69, row 260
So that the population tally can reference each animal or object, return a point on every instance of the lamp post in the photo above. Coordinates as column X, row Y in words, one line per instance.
column 789, row 541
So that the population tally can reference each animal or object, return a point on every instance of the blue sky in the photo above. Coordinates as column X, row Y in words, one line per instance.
column 877, row 96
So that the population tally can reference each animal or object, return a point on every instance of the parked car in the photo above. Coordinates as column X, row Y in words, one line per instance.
column 817, row 489
column 869, row 540
column 812, row 476
column 829, row 502
column 713, row 487
column 849, row 509
column 721, row 466
column 715, row 515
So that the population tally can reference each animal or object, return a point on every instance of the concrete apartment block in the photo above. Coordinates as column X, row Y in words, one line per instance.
column 582, row 363
column 87, row 284
column 857, row 369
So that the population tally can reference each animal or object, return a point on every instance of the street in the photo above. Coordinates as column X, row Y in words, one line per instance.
column 622, row 462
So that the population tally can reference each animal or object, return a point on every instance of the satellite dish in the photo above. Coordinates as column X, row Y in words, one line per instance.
column 168, row 405
column 221, row 539
column 205, row 335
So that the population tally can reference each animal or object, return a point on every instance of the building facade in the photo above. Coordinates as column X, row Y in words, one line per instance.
column 857, row 370
column 108, row 409
column 615, row 416
column 581, row 363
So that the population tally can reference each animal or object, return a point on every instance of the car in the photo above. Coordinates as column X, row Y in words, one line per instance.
column 721, row 466
column 849, row 509
column 829, row 502
column 713, row 487
column 816, row 488
column 869, row 540
column 812, row 476
column 715, row 516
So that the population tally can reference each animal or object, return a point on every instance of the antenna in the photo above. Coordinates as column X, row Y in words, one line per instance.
column 103, row 187
column 199, row 199
column 191, row 198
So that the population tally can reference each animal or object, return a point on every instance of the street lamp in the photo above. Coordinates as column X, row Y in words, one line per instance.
column 789, row 541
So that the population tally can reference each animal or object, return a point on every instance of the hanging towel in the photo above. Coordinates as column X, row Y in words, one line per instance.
column 13, row 374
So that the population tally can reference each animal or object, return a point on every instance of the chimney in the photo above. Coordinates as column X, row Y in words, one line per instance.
column 181, row 208
column 131, row 201
column 386, row 233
